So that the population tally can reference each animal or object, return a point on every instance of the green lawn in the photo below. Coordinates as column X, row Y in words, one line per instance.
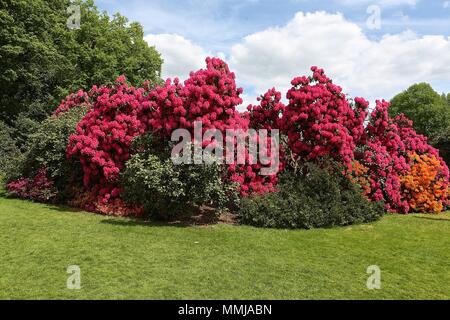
column 120, row 258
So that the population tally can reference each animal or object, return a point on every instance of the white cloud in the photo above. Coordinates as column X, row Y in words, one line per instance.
column 180, row 55
column 363, row 67
column 383, row 3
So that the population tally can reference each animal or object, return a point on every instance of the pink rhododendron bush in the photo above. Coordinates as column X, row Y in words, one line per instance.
column 320, row 122
column 123, row 144
column 386, row 151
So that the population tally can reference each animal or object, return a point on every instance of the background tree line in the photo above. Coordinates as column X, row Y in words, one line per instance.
column 430, row 113
column 43, row 60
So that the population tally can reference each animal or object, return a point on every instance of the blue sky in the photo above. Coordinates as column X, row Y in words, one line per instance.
column 237, row 18
column 254, row 36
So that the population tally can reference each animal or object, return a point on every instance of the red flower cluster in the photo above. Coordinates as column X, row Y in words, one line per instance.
column 80, row 99
column 209, row 96
column 267, row 115
column 319, row 121
column 249, row 177
column 416, row 143
column 38, row 188
column 103, row 137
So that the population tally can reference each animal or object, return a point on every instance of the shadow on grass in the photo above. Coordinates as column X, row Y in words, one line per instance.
column 121, row 221
column 62, row 208
column 50, row 206
column 433, row 219
column 134, row 222
column 201, row 217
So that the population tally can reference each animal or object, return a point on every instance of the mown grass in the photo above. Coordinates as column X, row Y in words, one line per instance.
column 125, row 259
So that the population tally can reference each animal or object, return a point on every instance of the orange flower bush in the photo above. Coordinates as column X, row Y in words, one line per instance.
column 424, row 186
column 358, row 175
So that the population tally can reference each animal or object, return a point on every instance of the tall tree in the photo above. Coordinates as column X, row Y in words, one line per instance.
column 429, row 111
column 43, row 59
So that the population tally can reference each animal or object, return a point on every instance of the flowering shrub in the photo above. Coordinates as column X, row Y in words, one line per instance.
column 387, row 158
column 118, row 114
column 38, row 188
column 382, row 151
column 209, row 96
column 385, row 150
column 358, row 175
column 425, row 186
column 320, row 122
column 80, row 99
column 267, row 115
column 104, row 136
column 249, row 179
column 415, row 142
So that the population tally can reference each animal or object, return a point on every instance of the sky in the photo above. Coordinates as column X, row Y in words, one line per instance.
column 371, row 48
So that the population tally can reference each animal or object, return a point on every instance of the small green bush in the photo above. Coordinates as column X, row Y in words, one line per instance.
column 316, row 198
column 46, row 148
column 166, row 190
column 10, row 154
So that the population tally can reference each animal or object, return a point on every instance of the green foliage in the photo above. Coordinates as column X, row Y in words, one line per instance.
column 23, row 127
column 442, row 142
column 313, row 199
column 10, row 155
column 46, row 148
column 429, row 111
column 164, row 189
column 43, row 60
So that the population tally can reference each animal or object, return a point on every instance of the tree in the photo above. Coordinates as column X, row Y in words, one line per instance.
column 442, row 142
column 43, row 60
column 429, row 111
column 9, row 153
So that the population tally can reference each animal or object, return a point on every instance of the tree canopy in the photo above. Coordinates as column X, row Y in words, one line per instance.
column 43, row 59
column 429, row 111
